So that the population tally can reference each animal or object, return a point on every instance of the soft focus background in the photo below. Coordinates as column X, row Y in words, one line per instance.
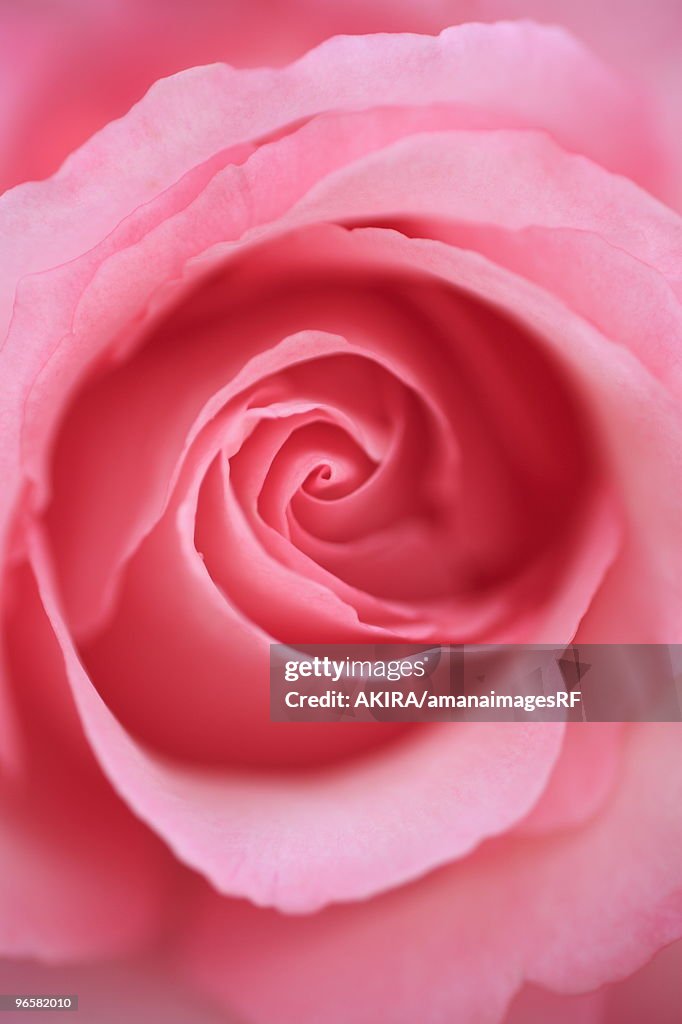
column 144, row 991
column 69, row 66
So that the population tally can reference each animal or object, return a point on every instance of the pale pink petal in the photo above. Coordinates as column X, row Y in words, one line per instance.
column 585, row 106
column 568, row 913
column 643, row 40
column 339, row 834
column 583, row 778
column 514, row 180
column 72, row 90
column 627, row 299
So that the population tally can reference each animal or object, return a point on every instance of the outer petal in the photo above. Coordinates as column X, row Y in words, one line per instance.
column 584, row 777
column 651, row 993
column 46, row 115
column 569, row 914
column 132, row 990
column 299, row 844
column 187, row 119
column 629, row 300
column 80, row 878
column 534, row 1005
column 64, row 52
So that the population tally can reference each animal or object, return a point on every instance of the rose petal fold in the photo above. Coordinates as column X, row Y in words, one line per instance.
column 460, row 942
column 280, row 841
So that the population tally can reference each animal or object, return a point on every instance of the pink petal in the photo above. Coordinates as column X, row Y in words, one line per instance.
column 568, row 913
column 135, row 990
column 585, row 106
column 628, row 300
column 583, row 778
column 299, row 843
column 651, row 993
column 71, row 90
column 534, row 1005
column 80, row 878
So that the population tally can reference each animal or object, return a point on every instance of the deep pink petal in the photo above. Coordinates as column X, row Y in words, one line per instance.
column 80, row 877
column 131, row 989
column 534, row 1005
column 638, row 421
column 651, row 993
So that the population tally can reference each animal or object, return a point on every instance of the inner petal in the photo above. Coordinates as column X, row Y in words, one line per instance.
column 402, row 468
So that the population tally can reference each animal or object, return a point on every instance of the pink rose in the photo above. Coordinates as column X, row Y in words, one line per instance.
column 381, row 346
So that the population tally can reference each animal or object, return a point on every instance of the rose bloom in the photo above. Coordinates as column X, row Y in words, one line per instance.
column 379, row 346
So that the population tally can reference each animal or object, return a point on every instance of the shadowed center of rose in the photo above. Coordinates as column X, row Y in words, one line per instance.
column 309, row 450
